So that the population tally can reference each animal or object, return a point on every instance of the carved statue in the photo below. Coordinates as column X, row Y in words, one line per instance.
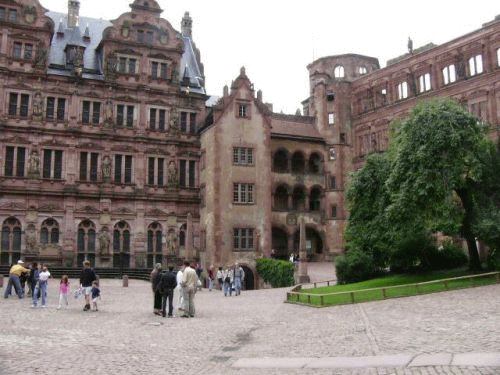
column 174, row 120
column 38, row 105
column 34, row 165
column 106, row 168
column 104, row 242
column 172, row 243
column 30, row 242
column 172, row 175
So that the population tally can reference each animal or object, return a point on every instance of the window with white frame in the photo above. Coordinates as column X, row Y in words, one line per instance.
column 123, row 169
column 403, row 90
column 331, row 118
column 187, row 173
column 243, row 193
column 362, row 70
column 188, row 122
column 158, row 69
column 242, row 156
column 449, row 74
column 91, row 112
column 424, row 82
column 243, row 110
column 52, row 164
column 476, row 65
column 339, row 71
column 156, row 171
column 15, row 161
column 243, row 239
column 127, row 64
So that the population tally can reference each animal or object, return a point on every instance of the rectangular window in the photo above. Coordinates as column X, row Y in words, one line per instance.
column 123, row 169
column 192, row 123
column 23, row 105
column 28, row 51
column 96, row 112
column 243, row 193
column 17, row 50
column 154, row 70
column 184, row 116
column 333, row 211
column 15, row 160
column 243, row 239
column 155, row 171
column 191, row 173
column 91, row 112
column 12, row 15
column 52, row 164
column 125, row 115
column 61, row 105
column 88, row 166
column 127, row 65
column 243, row 110
column 157, row 118
column 333, row 183
column 25, row 102
column 53, row 110
column 49, row 112
column 182, row 173
column 402, row 90
column 163, row 70
column 331, row 118
column 120, row 109
column 424, row 82
column 86, row 112
column 449, row 75
column 242, row 156
column 13, row 104
column 187, row 173
column 2, row 13
column 476, row 65
column 130, row 116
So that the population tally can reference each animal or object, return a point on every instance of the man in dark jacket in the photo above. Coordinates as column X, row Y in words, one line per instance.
column 166, row 287
column 86, row 278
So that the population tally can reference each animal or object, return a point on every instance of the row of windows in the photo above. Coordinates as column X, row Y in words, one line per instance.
column 130, row 65
column 297, row 163
column 8, row 14
column 92, row 112
column 120, row 170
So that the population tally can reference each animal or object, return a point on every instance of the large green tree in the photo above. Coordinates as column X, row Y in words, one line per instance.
column 436, row 165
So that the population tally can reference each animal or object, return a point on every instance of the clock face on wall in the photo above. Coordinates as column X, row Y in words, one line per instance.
column 163, row 38
column 125, row 32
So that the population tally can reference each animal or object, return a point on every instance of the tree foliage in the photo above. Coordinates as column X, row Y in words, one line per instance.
column 438, row 175
column 278, row 273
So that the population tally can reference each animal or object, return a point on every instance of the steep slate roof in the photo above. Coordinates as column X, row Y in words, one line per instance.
column 190, row 68
column 92, row 60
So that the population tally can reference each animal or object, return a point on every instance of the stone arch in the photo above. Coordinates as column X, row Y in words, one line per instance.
column 281, row 197
column 86, row 242
column 279, row 242
column 249, row 280
column 315, row 163
column 299, row 198
column 281, row 161
column 49, row 232
column 315, row 196
column 11, row 241
column 298, row 162
column 121, row 245
column 314, row 243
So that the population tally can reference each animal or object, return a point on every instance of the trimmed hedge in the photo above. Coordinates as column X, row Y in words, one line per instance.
column 278, row 273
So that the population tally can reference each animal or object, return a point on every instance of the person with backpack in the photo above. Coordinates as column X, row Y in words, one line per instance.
column 87, row 277
column 166, row 286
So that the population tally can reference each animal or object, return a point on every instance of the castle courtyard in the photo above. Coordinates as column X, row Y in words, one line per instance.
column 255, row 333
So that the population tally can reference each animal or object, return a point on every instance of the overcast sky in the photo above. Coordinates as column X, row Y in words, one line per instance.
column 275, row 40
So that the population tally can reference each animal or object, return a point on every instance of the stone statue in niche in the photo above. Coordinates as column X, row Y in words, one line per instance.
column 174, row 120
column 106, row 168
column 104, row 242
column 172, row 243
column 37, row 106
column 34, row 165
column 172, row 175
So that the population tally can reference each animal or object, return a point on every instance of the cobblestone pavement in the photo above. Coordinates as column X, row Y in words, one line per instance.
column 125, row 337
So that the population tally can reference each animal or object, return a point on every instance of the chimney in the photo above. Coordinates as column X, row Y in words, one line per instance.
column 187, row 25
column 73, row 13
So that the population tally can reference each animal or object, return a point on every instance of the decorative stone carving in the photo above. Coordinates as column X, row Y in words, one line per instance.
column 173, row 178
column 106, row 168
column 104, row 242
column 34, row 165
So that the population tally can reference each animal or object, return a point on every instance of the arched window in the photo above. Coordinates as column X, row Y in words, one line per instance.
column 49, row 232
column 315, row 166
column 86, row 242
column 299, row 198
column 11, row 241
column 281, row 198
column 315, row 199
column 121, row 245
column 280, row 161
column 339, row 71
column 155, row 236
column 298, row 162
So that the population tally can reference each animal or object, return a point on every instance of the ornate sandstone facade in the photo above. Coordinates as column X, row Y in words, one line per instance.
column 99, row 152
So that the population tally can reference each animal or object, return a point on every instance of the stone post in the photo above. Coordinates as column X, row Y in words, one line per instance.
column 302, row 276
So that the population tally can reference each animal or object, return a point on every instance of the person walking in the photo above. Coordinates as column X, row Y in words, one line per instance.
column 15, row 273
column 239, row 276
column 220, row 279
column 87, row 277
column 210, row 278
column 228, row 275
column 180, row 290
column 96, row 294
column 166, row 287
column 41, row 287
column 189, row 283
column 63, row 292
column 155, row 279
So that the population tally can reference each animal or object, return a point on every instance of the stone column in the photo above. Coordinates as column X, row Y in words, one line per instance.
column 302, row 276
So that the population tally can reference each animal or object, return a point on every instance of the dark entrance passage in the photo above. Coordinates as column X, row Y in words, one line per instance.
column 314, row 244
column 248, row 282
column 280, row 243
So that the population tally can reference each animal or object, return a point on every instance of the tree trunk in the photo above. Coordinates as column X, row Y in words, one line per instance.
column 466, row 230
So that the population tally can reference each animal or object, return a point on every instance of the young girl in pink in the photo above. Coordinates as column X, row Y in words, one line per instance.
column 63, row 291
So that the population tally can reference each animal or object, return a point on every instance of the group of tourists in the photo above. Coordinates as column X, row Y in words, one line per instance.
column 37, row 276
column 230, row 279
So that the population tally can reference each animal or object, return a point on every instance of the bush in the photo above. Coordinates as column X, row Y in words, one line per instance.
column 278, row 273
column 354, row 266
column 447, row 257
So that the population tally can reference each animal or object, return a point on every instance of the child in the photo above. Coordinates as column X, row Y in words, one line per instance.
column 63, row 291
column 96, row 293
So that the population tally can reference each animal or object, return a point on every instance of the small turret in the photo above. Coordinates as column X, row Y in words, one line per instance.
column 187, row 25
column 73, row 13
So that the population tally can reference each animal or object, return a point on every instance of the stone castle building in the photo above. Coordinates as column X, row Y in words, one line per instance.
column 111, row 150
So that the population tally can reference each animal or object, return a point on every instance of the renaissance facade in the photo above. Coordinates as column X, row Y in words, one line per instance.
column 112, row 151
column 98, row 136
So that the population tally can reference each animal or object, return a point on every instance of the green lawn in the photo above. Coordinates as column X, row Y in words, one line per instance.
column 393, row 286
